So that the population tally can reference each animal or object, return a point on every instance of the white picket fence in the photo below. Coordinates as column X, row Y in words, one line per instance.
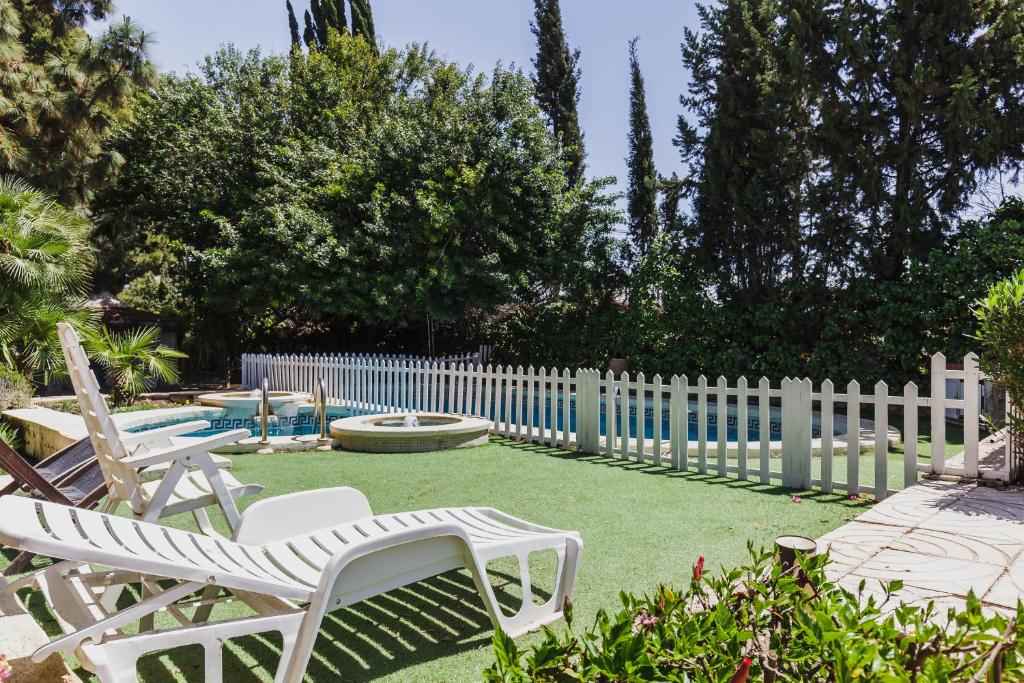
column 598, row 413
column 303, row 369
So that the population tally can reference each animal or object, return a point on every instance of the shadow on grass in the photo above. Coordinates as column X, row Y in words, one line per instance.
column 650, row 468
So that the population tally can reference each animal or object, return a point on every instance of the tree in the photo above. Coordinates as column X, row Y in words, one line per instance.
column 63, row 91
column 362, row 21
column 287, row 193
column 642, row 195
column 309, row 33
column 134, row 360
column 45, row 262
column 319, row 22
column 556, row 83
column 293, row 25
column 919, row 103
column 339, row 13
column 745, row 148
column 671, row 195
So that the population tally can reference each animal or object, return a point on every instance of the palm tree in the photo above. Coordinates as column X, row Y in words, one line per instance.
column 134, row 360
column 45, row 261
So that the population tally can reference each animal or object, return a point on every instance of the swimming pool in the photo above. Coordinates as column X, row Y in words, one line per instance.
column 300, row 424
column 303, row 423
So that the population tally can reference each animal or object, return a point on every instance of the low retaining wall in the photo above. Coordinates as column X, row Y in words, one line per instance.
column 45, row 431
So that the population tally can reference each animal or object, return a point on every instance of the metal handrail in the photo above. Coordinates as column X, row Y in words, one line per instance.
column 265, row 413
column 320, row 407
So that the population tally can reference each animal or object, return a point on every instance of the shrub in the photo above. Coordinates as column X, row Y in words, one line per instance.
column 1000, row 317
column 15, row 389
column 769, row 624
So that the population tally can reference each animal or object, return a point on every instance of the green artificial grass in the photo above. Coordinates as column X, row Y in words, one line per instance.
column 640, row 524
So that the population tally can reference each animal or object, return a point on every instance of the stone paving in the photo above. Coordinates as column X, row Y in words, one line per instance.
column 942, row 539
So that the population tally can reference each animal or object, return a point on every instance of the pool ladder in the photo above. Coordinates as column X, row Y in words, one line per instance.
column 320, row 408
column 265, row 413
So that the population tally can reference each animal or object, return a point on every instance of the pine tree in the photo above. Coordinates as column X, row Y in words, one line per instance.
column 745, row 149
column 557, row 83
column 319, row 22
column 642, row 194
column 63, row 91
column 293, row 25
column 309, row 34
column 362, row 21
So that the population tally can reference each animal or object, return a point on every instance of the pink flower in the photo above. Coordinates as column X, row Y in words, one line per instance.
column 6, row 670
column 644, row 621
column 698, row 569
column 854, row 496
column 797, row 499
column 742, row 673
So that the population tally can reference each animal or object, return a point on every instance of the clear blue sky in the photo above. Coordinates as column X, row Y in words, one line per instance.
column 478, row 32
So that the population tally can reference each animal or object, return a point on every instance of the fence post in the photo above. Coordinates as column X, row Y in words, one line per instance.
column 881, row 441
column 938, row 412
column 594, row 411
column 972, row 377
column 796, row 433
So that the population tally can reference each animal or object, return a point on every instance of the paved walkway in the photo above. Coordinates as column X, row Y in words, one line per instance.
column 942, row 540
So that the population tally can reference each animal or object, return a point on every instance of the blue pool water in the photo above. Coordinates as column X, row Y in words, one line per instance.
column 301, row 424
column 304, row 424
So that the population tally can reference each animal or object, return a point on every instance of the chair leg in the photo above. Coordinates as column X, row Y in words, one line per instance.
column 202, row 614
column 20, row 563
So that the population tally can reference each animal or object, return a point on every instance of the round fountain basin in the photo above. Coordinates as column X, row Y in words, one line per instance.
column 248, row 402
column 389, row 433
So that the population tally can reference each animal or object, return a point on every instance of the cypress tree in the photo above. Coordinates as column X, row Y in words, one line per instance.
column 330, row 12
column 642, row 195
column 293, row 24
column 319, row 22
column 746, row 149
column 339, row 13
column 671, row 195
column 309, row 34
column 557, row 83
column 362, row 21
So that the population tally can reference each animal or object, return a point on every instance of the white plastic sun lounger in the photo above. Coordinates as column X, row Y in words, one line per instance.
column 193, row 479
column 297, row 557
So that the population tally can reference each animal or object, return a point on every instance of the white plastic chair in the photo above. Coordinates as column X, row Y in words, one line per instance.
column 192, row 482
column 290, row 567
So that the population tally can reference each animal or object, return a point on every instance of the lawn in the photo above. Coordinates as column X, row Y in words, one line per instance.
column 640, row 525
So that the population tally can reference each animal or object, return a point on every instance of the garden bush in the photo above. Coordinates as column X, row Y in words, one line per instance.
column 761, row 622
column 15, row 389
column 1000, row 317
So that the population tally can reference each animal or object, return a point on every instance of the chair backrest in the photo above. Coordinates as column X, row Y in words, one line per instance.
column 24, row 475
column 122, row 480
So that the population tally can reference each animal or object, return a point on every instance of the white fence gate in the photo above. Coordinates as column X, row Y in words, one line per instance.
column 791, row 433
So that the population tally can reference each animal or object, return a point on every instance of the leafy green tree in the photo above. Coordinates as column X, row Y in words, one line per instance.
column 343, row 197
column 293, row 25
column 133, row 360
column 45, row 262
column 642, row 195
column 918, row 104
column 63, row 91
column 556, row 83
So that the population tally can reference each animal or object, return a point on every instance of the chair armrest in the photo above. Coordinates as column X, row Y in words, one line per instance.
column 139, row 438
column 186, row 452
